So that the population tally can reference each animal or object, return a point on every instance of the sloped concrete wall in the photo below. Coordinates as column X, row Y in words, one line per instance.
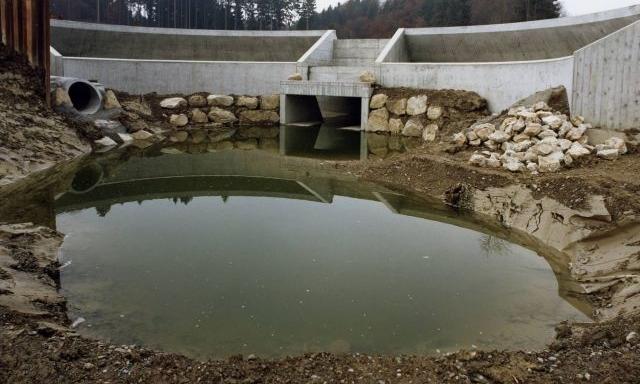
column 75, row 39
column 535, row 40
column 606, row 89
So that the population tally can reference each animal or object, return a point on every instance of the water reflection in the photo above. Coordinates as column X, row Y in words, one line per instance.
column 238, row 251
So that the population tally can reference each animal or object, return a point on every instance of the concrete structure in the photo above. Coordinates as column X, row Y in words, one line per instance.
column 502, row 63
column 606, row 80
column 142, row 60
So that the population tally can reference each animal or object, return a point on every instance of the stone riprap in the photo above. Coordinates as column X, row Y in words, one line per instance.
column 535, row 139
column 217, row 110
column 406, row 116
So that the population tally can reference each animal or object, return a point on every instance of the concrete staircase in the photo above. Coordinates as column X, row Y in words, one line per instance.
column 350, row 58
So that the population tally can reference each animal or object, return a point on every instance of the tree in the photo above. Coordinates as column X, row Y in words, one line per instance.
column 307, row 12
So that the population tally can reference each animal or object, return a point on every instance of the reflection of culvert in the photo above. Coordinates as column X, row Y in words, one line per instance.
column 85, row 97
column 87, row 178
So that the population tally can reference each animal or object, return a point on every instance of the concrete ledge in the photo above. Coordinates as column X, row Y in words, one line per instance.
column 320, row 88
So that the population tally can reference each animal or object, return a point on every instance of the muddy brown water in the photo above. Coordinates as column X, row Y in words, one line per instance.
column 248, row 251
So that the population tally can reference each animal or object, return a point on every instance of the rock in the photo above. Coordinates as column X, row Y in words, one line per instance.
column 478, row 159
column 109, row 125
column 471, row 136
column 136, row 126
column 111, row 101
column 548, row 164
column 173, row 103
column 61, row 98
column 397, row 106
column 617, row 143
column 541, row 106
column 632, row 337
column 434, row 112
column 553, row 121
column 105, row 142
column 141, row 108
column 555, row 98
column 543, row 149
column 532, row 129
column 220, row 100
column 492, row 145
column 247, row 102
column 459, row 139
column 576, row 133
column 417, row 105
column 565, row 144
column 221, row 116
column 514, row 165
column 577, row 120
column 430, row 132
column 484, row 130
column 178, row 120
column 499, row 137
column 564, row 128
column 532, row 167
column 125, row 137
column 413, row 128
column 494, row 161
column 270, row 102
column 522, row 146
column 475, row 143
column 396, row 126
column 259, row 116
column 198, row 117
column 547, row 133
column 567, row 160
column 198, row 136
column 608, row 154
column 295, row 77
column 529, row 116
column 367, row 77
column 197, row 101
column 378, row 120
column 179, row 137
column 378, row 101
column 577, row 150
column 141, row 135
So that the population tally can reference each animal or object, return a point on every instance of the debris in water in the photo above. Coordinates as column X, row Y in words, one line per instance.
column 78, row 321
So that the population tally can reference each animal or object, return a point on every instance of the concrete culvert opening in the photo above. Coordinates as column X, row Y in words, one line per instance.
column 84, row 97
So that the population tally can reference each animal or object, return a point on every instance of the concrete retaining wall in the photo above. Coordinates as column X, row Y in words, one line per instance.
column 75, row 39
column 166, row 77
column 500, row 83
column 606, row 89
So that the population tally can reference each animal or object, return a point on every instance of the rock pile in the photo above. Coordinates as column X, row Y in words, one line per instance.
column 222, row 110
column 534, row 138
column 412, row 117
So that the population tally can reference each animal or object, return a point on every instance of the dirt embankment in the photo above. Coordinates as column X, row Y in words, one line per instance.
column 32, row 137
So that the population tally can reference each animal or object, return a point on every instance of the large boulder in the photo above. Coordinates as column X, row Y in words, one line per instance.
column 259, row 116
column 197, row 101
column 249, row 102
column 178, row 120
column 141, row 135
column 111, row 101
column 221, row 116
column 378, row 120
column 397, row 106
column 140, row 108
column 378, row 101
column 396, row 126
column 173, row 103
column 430, row 132
column 367, row 77
column 417, row 105
column 61, row 98
column 270, row 102
column 220, row 100
column 413, row 128
column 434, row 112
column 198, row 117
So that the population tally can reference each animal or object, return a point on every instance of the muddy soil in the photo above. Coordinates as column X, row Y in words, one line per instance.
column 32, row 137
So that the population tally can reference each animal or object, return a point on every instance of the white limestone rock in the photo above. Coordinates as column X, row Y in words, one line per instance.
column 413, row 128
column 178, row 120
column 576, row 133
column 617, row 143
column 197, row 101
column 259, row 116
column 397, row 106
column 417, row 105
column 198, row 117
column 459, row 139
column 514, row 165
column 553, row 121
column 249, row 102
column 478, row 159
column 395, row 126
column 367, row 77
column 532, row 129
column 484, row 130
column 541, row 106
column 111, row 101
column 220, row 100
column 173, row 103
column 295, row 77
column 378, row 120
column 142, row 135
column 608, row 154
column 499, row 137
column 548, row 164
column 430, row 132
column 577, row 150
column 270, row 102
column 378, row 101
column 105, row 142
column 221, row 116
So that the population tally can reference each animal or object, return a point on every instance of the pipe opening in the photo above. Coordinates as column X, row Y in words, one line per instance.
column 84, row 97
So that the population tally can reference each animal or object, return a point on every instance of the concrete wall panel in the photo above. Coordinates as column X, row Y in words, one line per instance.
column 165, row 77
column 501, row 84
column 607, row 80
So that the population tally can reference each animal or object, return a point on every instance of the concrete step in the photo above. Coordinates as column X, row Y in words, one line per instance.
column 326, row 88
column 358, row 48
column 352, row 62
column 337, row 73
column 361, row 43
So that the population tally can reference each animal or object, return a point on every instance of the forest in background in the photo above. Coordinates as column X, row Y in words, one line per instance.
column 352, row 19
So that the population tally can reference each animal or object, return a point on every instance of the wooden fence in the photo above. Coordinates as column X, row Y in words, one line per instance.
column 24, row 25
